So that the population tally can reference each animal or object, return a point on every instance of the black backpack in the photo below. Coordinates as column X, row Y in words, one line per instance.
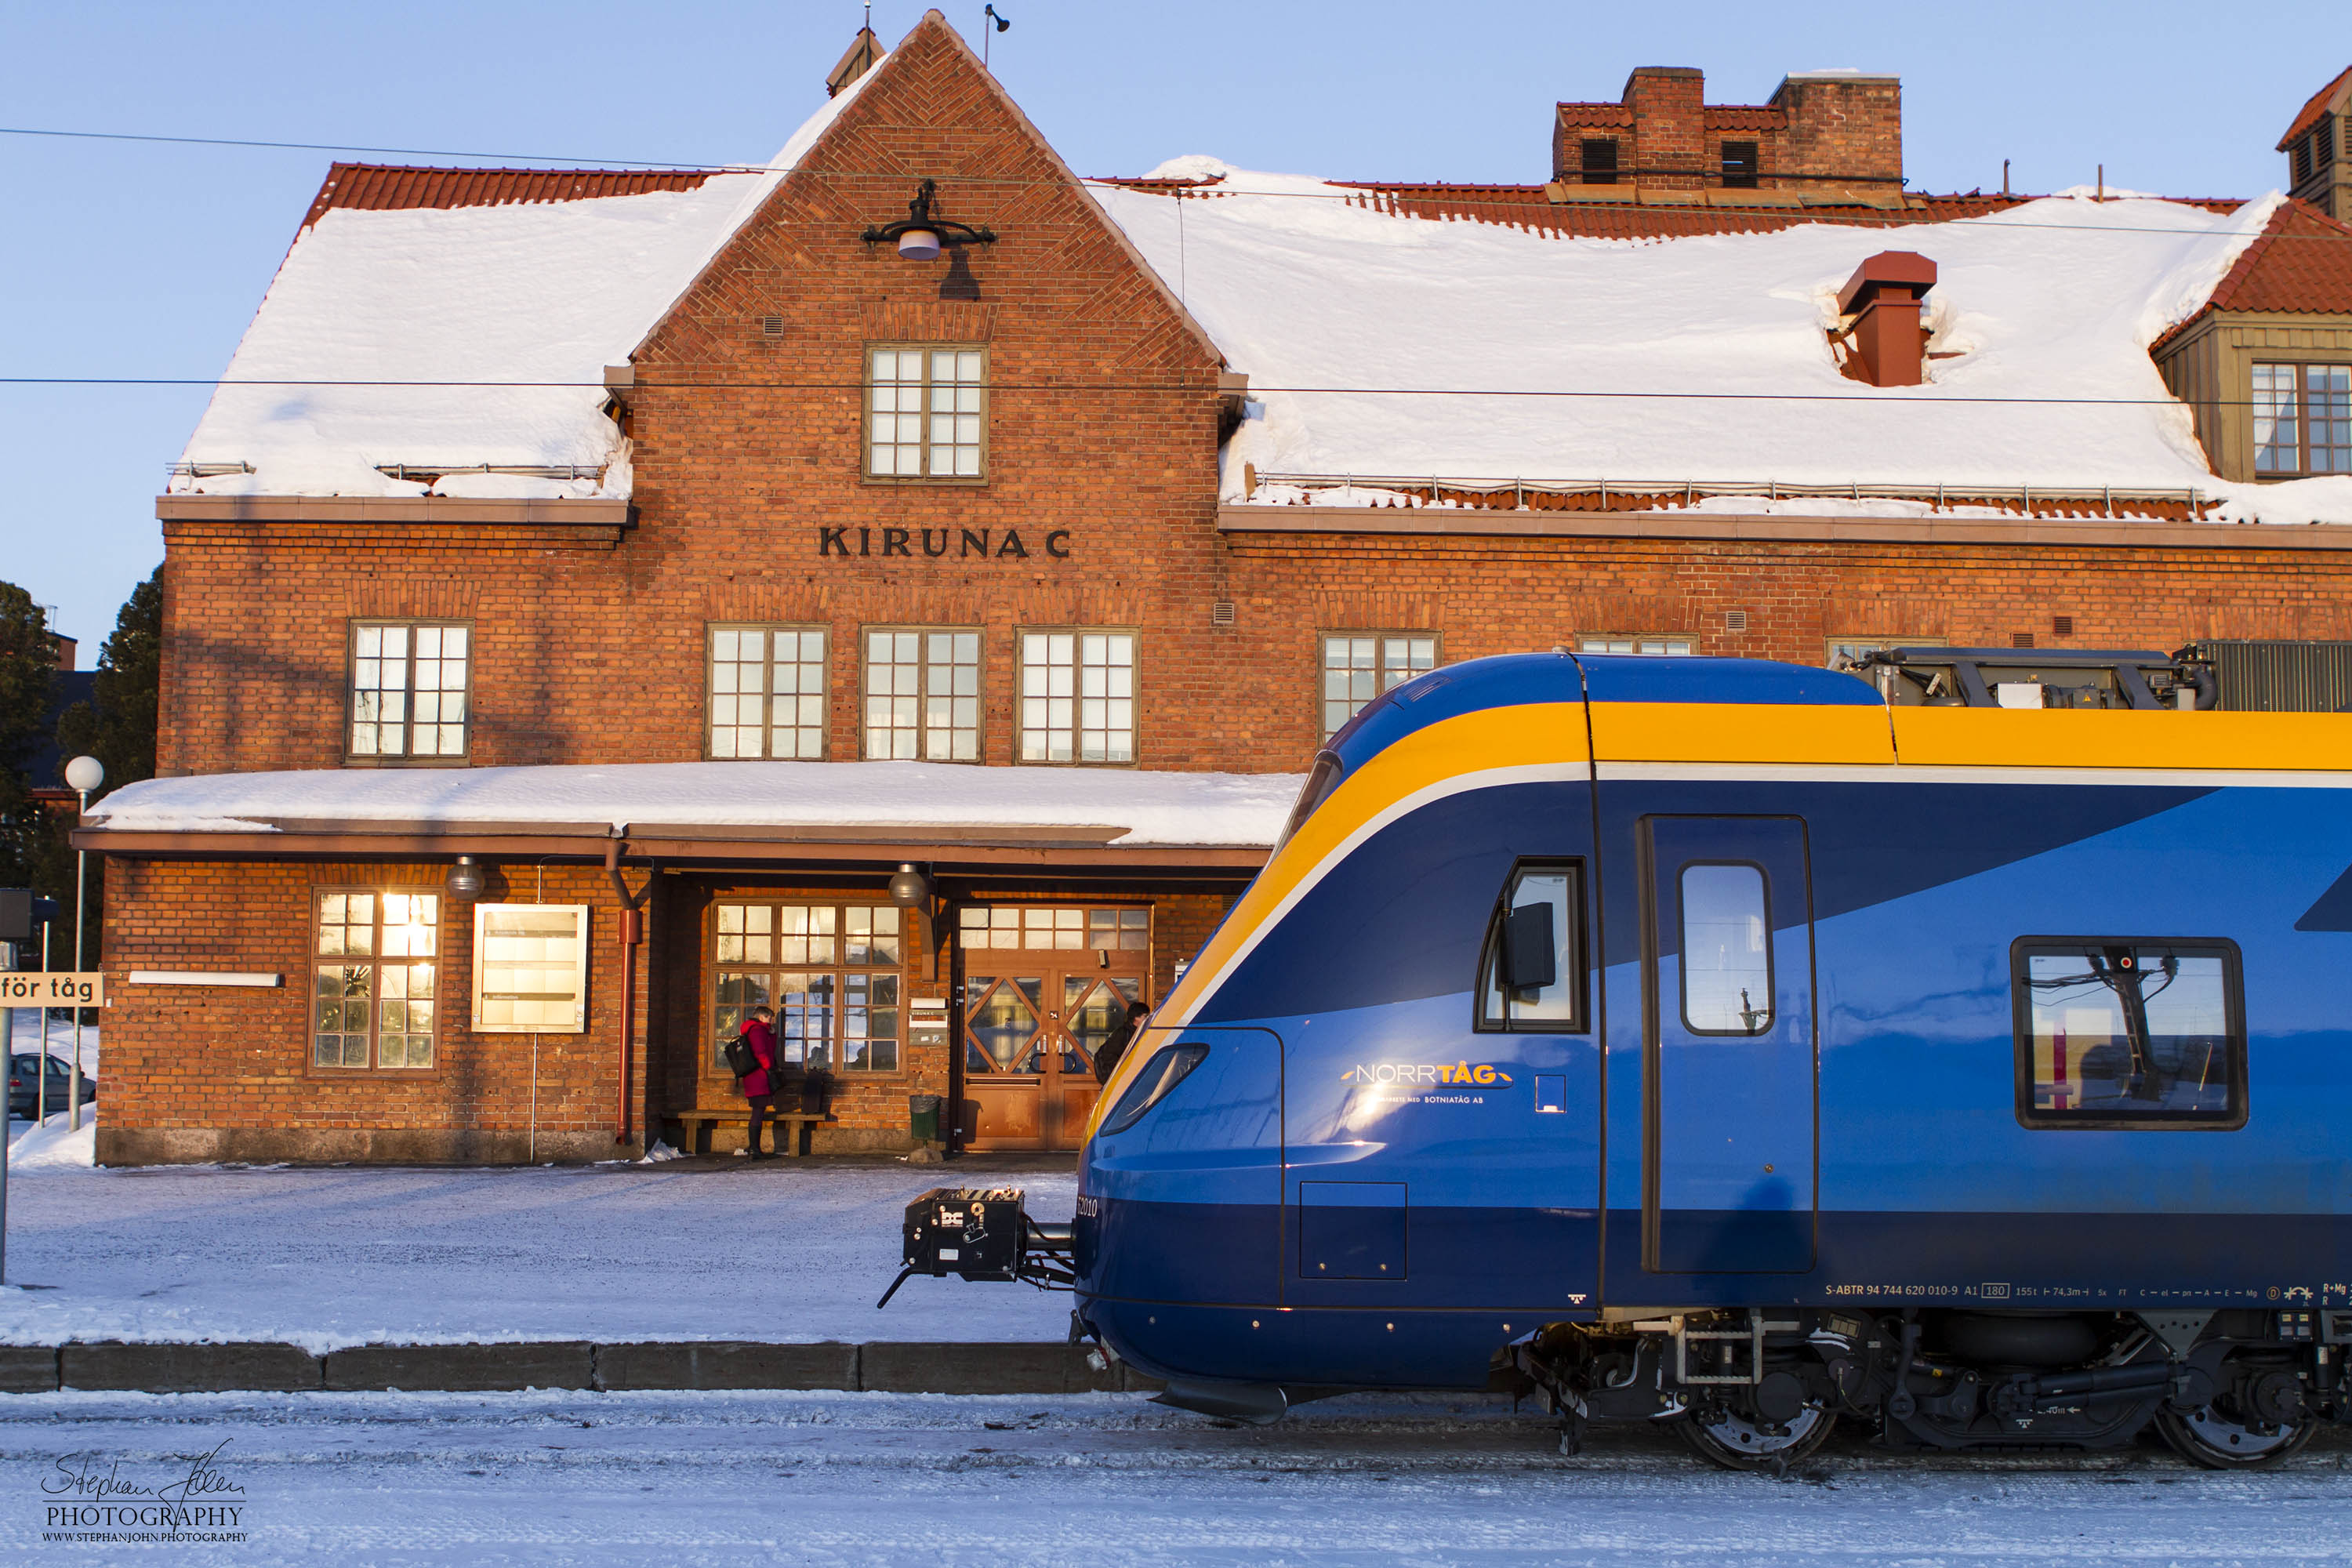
column 740, row 1059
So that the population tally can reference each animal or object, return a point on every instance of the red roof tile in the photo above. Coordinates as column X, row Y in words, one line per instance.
column 2301, row 261
column 379, row 187
column 1595, row 116
column 2322, row 102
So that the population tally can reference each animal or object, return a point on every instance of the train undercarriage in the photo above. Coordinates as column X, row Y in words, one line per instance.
column 1759, row 1388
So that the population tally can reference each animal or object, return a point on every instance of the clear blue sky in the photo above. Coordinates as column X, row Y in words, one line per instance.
column 131, row 259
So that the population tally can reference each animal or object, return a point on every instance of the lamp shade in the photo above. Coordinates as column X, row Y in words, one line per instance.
column 464, row 878
column 919, row 245
column 85, row 774
column 910, row 888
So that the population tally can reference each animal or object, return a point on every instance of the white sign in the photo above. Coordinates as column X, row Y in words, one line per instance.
column 530, row 969
column 53, row 988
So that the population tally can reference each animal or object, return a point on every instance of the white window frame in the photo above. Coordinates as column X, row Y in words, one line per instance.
column 928, row 717
column 1386, row 669
column 1078, row 695
column 907, row 415
column 2300, row 404
column 1672, row 644
column 796, row 736
column 374, row 704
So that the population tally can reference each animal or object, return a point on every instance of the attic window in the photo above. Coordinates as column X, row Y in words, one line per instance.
column 1740, row 165
column 1598, row 157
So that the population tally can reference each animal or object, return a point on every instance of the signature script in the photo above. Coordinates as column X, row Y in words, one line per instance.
column 79, row 1476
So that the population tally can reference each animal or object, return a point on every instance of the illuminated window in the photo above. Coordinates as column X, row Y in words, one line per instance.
column 373, row 982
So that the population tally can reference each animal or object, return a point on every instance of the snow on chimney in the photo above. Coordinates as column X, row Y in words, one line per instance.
column 1888, row 346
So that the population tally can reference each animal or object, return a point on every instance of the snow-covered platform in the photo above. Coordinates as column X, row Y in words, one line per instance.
column 784, row 1251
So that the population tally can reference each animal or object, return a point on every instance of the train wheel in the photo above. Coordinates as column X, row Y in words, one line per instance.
column 2221, row 1441
column 1737, row 1443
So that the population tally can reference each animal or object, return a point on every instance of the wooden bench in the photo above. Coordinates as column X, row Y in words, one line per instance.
column 696, row 1128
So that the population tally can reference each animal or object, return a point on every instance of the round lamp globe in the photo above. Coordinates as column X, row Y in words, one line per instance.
column 84, row 775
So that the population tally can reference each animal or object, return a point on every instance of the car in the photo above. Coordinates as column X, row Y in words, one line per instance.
column 24, row 1086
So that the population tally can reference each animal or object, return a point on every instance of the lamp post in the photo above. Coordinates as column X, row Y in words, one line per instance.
column 83, row 775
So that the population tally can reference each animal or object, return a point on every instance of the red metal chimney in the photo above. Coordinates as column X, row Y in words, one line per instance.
column 1883, row 296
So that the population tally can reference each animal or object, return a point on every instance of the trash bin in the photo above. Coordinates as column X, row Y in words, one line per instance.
column 923, row 1117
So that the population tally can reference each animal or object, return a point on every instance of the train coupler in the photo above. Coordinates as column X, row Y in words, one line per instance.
column 985, row 1234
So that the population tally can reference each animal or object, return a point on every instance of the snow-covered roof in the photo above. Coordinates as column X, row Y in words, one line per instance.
column 1145, row 808
column 1697, row 359
column 533, row 289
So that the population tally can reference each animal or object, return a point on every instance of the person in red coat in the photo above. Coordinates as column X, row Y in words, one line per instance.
column 759, row 1084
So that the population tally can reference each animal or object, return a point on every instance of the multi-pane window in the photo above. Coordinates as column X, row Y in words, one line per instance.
column 2303, row 420
column 1608, row 644
column 1038, row 927
column 1360, row 665
column 1078, row 697
column 922, row 695
column 766, row 691
column 2129, row 1033
column 372, row 987
column 408, row 690
column 829, row 970
column 925, row 412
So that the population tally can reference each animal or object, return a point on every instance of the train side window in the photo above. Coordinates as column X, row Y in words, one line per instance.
column 1531, row 972
column 2129, row 1032
column 1727, row 949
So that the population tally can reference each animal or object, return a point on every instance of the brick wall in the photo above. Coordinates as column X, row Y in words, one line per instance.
column 1817, row 132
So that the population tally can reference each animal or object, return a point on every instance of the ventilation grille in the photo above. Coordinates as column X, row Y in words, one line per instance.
column 772, row 325
column 1221, row 612
column 1735, row 620
column 2282, row 677
column 2063, row 625
column 2021, row 639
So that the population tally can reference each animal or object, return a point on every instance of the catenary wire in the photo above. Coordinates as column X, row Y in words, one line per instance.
column 1364, row 193
column 1143, row 387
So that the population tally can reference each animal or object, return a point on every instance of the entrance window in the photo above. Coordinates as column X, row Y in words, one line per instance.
column 1726, row 950
column 829, row 971
column 373, row 985
column 2129, row 1033
column 922, row 695
column 1036, row 928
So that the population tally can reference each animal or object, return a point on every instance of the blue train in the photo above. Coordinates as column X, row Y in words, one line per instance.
column 1750, row 1047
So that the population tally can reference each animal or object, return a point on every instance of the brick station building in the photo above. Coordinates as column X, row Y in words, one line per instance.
column 588, row 590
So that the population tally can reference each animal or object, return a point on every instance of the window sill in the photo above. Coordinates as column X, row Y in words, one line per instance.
column 965, row 482
column 464, row 761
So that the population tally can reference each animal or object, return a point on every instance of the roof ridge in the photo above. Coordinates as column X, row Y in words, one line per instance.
column 2314, row 108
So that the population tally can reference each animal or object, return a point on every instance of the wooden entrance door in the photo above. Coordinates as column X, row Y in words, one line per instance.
column 1032, row 1020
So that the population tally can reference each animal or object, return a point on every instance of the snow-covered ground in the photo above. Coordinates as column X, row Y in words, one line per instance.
column 554, row 1480
column 785, row 1251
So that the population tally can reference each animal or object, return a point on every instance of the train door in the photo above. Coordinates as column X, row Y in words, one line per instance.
column 1729, row 1045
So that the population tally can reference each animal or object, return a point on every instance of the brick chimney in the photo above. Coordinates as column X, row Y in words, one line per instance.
column 1827, row 138
column 1889, row 346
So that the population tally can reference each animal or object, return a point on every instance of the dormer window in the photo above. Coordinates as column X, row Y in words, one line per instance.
column 2303, row 420
column 1599, row 160
column 1740, row 165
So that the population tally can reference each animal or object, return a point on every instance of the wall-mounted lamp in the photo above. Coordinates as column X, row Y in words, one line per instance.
column 910, row 889
column 464, row 878
column 920, row 235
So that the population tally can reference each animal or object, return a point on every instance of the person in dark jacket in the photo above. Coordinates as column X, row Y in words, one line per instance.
column 759, row 1084
column 1121, row 1036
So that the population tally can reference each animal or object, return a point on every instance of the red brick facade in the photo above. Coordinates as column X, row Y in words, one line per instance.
column 1819, row 131
column 589, row 640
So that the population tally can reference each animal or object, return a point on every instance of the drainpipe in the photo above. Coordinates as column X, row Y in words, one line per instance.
column 632, row 934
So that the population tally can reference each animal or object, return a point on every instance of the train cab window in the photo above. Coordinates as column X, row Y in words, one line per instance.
column 1531, row 974
column 2132, row 1033
column 1727, row 936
